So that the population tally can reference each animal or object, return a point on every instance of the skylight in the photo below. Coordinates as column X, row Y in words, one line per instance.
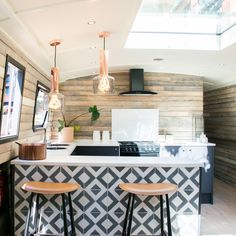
column 184, row 24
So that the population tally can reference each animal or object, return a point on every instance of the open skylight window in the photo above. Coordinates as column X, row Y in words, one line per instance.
column 184, row 24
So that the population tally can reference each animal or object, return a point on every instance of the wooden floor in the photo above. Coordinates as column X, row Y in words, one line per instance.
column 220, row 218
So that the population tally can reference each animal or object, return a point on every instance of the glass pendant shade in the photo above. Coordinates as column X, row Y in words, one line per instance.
column 103, row 82
column 56, row 101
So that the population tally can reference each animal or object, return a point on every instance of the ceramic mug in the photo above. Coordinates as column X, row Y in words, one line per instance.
column 105, row 136
column 96, row 136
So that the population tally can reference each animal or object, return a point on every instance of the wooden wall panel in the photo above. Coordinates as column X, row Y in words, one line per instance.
column 10, row 149
column 220, row 127
column 180, row 97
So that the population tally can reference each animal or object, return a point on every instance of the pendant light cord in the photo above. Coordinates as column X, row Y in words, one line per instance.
column 104, row 43
column 55, row 57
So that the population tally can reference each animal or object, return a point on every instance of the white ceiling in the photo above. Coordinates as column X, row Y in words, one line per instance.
column 32, row 24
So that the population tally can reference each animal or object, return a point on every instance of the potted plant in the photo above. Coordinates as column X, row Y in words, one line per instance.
column 66, row 129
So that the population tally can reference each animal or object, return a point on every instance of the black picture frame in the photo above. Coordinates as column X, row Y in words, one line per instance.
column 40, row 114
column 11, row 101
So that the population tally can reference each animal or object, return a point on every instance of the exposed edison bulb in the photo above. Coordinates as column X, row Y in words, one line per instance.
column 56, row 101
column 104, row 84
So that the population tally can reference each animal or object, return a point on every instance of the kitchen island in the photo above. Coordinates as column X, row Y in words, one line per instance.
column 99, row 206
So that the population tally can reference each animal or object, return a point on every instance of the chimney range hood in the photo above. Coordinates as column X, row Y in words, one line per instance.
column 137, row 84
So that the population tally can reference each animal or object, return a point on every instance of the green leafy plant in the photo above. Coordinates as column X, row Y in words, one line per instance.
column 94, row 116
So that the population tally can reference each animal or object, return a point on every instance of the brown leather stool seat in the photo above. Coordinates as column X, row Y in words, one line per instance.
column 50, row 188
column 147, row 189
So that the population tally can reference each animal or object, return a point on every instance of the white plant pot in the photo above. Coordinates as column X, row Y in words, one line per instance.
column 66, row 134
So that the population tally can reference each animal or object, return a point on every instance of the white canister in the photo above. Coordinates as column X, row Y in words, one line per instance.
column 105, row 136
column 96, row 136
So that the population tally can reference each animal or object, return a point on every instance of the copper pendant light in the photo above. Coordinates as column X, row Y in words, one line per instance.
column 103, row 82
column 56, row 99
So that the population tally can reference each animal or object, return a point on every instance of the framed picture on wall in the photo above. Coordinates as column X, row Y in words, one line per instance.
column 11, row 102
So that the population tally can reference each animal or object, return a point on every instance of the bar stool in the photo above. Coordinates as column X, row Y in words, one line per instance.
column 49, row 188
column 146, row 189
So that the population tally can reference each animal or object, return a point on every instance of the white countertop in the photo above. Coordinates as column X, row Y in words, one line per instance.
column 63, row 158
column 186, row 144
column 111, row 161
column 115, row 143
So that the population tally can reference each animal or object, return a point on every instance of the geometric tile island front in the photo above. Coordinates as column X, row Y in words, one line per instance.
column 100, row 205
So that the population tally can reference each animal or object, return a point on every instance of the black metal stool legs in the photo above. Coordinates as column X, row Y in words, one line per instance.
column 128, row 219
column 36, row 214
column 26, row 233
column 168, row 216
column 131, row 215
column 158, row 190
column 162, row 216
column 71, row 216
column 163, row 233
column 126, row 216
column 64, row 214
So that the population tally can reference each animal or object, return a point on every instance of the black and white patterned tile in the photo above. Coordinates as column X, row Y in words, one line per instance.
column 95, row 177
column 49, row 174
column 188, row 190
column 100, row 205
column 143, row 223
column 95, row 224
column 73, row 174
column 50, row 221
column 167, row 175
column 115, row 222
column 145, row 175
column 117, row 175
column 22, row 174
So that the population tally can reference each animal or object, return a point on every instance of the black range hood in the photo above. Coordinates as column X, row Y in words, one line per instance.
column 137, row 83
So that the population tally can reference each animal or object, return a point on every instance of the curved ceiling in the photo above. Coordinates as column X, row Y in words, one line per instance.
column 32, row 24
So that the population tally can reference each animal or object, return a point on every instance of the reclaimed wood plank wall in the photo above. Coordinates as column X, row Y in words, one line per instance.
column 220, row 127
column 32, row 74
column 179, row 100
